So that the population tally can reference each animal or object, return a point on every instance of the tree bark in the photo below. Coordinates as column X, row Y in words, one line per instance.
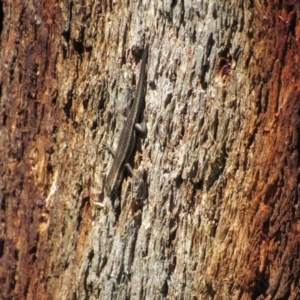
column 220, row 216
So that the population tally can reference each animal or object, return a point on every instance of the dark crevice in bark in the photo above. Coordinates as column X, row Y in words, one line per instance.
column 1, row 18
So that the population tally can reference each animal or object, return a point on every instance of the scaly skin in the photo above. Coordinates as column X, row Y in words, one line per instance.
column 128, row 134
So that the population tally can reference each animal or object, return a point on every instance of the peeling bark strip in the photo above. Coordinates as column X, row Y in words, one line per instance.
column 221, row 220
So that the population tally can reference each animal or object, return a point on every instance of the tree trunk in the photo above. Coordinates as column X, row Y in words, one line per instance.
column 219, row 218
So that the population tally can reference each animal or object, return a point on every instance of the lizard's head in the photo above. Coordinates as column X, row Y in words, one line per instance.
column 111, row 185
column 109, row 189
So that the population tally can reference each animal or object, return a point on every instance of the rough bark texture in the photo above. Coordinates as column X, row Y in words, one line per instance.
column 221, row 217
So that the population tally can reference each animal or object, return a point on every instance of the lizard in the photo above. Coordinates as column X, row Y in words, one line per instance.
column 127, row 137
